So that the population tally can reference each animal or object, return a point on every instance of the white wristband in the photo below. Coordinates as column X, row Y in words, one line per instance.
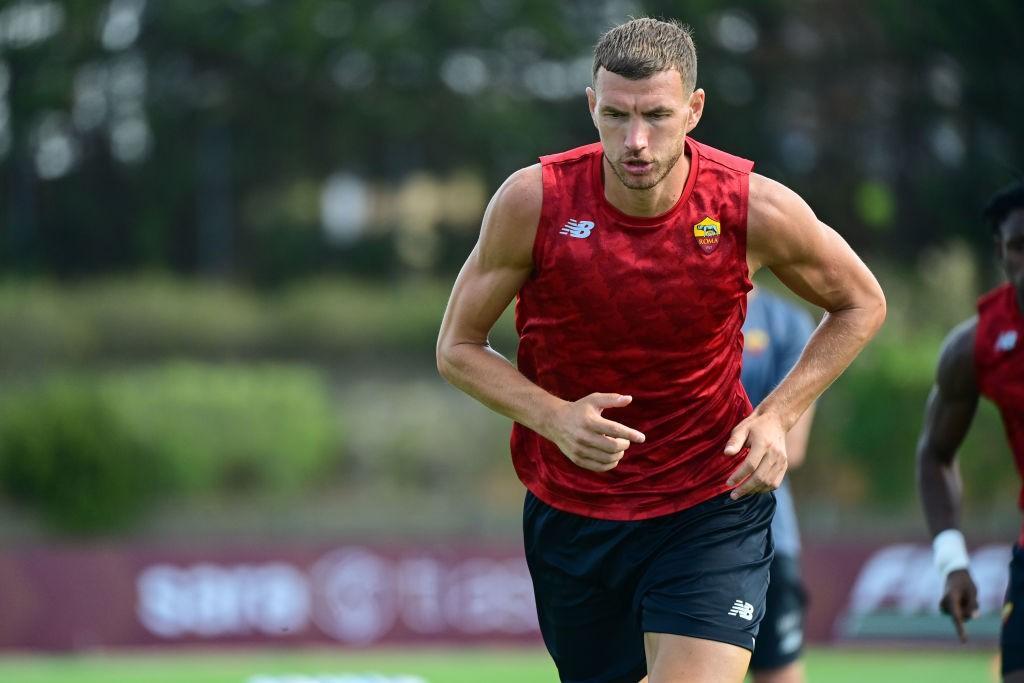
column 950, row 552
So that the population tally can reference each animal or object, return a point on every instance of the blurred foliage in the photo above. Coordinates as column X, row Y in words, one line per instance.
column 229, row 428
column 200, row 135
column 155, row 316
column 65, row 453
column 93, row 451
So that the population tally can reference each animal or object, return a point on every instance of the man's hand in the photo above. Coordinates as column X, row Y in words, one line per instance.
column 960, row 600
column 766, row 462
column 589, row 440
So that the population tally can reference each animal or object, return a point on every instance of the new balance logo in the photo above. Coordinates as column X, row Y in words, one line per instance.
column 743, row 610
column 578, row 229
column 1007, row 341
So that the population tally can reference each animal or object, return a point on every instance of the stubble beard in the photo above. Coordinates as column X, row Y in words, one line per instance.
column 646, row 184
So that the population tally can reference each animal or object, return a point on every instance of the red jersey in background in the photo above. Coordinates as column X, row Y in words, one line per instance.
column 999, row 364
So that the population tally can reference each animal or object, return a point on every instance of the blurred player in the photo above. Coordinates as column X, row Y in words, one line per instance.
column 774, row 336
column 982, row 356
column 631, row 261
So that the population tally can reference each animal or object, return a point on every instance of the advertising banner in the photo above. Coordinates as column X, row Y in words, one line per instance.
column 369, row 595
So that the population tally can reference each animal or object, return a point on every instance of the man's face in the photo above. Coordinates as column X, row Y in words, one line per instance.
column 1011, row 249
column 643, row 123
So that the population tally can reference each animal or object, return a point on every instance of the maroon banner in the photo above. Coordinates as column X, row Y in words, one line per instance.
column 354, row 595
column 358, row 595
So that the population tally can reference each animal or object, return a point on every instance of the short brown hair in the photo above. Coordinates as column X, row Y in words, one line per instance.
column 643, row 47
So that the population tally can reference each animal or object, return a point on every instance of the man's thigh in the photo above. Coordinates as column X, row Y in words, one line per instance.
column 712, row 584
column 681, row 659
column 585, row 606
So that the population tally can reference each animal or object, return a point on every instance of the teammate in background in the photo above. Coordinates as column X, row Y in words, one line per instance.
column 630, row 261
column 984, row 355
column 774, row 335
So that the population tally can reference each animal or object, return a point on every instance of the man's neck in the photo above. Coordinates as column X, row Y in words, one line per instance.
column 651, row 202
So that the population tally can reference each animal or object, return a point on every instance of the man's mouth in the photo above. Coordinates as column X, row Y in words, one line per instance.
column 637, row 167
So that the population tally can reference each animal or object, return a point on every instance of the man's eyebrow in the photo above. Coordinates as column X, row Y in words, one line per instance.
column 659, row 110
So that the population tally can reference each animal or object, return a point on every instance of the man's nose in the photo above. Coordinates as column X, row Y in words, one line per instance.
column 636, row 135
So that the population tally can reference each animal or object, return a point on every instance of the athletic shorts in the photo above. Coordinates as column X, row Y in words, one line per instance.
column 781, row 638
column 601, row 584
column 1011, row 637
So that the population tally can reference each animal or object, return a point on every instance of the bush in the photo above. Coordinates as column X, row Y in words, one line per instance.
column 91, row 452
column 152, row 317
column 229, row 428
column 66, row 454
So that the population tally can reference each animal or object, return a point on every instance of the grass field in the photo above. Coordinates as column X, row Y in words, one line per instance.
column 444, row 666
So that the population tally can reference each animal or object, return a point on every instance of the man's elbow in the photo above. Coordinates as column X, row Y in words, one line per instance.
column 443, row 358
column 878, row 311
column 873, row 310
column 451, row 358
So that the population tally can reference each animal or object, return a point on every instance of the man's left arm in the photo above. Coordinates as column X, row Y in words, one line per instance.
column 810, row 258
column 798, row 329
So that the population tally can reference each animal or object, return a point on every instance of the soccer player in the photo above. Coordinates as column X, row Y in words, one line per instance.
column 984, row 355
column 630, row 260
column 774, row 335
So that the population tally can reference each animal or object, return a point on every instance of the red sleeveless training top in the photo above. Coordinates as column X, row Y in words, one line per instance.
column 999, row 364
column 648, row 307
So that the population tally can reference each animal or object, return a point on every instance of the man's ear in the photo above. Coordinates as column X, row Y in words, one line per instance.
column 696, row 107
column 592, row 104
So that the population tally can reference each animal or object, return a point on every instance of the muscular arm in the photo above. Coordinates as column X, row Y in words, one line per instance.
column 816, row 263
column 499, row 264
column 798, row 330
column 948, row 414
column 497, row 267
column 811, row 259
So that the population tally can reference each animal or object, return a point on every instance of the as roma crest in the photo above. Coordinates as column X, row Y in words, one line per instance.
column 708, row 232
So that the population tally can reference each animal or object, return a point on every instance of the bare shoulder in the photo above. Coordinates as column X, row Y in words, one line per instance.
column 956, row 374
column 780, row 225
column 510, row 222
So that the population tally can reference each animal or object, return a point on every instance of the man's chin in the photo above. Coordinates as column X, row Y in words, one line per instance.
column 639, row 182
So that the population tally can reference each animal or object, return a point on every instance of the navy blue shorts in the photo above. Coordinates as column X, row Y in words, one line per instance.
column 1011, row 637
column 781, row 638
column 600, row 584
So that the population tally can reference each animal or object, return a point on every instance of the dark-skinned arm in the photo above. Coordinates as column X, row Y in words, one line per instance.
column 948, row 414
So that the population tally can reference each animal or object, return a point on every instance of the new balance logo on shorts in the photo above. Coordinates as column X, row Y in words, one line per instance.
column 741, row 609
column 578, row 229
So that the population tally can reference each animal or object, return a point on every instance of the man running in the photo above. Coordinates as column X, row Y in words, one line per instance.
column 630, row 260
column 984, row 355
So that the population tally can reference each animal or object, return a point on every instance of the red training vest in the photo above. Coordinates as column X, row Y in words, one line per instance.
column 649, row 307
column 999, row 364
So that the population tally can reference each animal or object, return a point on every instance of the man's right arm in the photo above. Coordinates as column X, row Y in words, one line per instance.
column 497, row 268
column 948, row 415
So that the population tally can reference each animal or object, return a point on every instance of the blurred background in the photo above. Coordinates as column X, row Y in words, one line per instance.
column 228, row 229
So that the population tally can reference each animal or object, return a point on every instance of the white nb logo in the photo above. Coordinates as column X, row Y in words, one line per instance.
column 578, row 229
column 1007, row 341
column 743, row 610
